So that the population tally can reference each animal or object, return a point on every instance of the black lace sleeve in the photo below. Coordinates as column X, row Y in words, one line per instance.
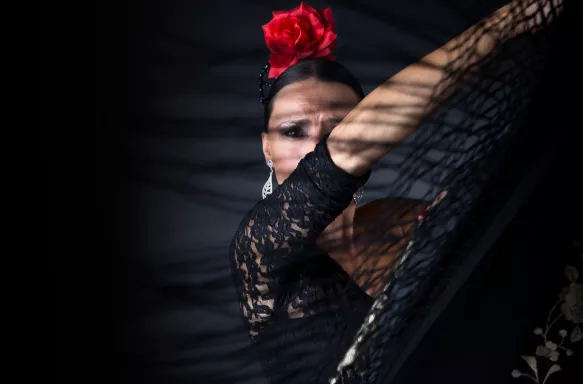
column 281, row 230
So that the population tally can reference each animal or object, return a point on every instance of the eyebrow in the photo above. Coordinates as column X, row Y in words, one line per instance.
column 305, row 121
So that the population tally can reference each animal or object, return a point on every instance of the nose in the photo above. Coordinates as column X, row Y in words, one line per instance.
column 319, row 133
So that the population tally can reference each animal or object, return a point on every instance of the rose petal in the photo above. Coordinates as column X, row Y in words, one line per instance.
column 279, row 36
column 327, row 40
column 278, row 64
column 278, row 48
column 317, row 27
column 280, row 60
column 278, row 14
column 297, row 11
column 328, row 19
column 268, row 29
column 327, row 53
column 303, row 55
column 303, row 10
column 303, row 37
column 297, row 34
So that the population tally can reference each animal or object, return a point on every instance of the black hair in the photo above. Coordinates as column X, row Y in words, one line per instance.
column 313, row 68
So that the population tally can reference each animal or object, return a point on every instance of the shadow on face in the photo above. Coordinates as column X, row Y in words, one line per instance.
column 302, row 114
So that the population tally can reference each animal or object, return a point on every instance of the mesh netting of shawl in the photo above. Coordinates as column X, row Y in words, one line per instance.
column 459, row 150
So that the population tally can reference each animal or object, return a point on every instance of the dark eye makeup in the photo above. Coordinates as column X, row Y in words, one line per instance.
column 300, row 129
column 294, row 130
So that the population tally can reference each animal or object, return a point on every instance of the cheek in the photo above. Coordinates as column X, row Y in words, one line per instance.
column 287, row 154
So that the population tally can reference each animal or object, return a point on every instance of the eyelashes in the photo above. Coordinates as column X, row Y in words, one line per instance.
column 294, row 132
column 302, row 130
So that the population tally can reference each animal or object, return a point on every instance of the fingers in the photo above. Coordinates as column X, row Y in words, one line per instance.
column 527, row 16
column 540, row 13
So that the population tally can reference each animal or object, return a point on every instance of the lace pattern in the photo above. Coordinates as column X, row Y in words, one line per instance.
column 289, row 289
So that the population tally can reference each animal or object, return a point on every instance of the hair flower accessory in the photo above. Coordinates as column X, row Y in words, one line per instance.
column 297, row 34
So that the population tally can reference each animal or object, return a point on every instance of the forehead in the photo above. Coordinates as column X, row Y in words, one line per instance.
column 313, row 97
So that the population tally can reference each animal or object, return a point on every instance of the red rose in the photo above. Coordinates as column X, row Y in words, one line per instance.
column 297, row 34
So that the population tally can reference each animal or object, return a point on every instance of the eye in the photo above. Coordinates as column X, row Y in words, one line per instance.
column 294, row 131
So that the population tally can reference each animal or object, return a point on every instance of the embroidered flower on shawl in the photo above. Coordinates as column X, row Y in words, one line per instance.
column 556, row 343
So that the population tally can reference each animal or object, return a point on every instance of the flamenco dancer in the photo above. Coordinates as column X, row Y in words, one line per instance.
column 296, row 253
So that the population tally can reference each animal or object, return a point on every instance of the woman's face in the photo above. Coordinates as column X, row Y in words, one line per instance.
column 302, row 113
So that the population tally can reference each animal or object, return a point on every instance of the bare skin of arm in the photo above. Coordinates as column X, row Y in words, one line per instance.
column 388, row 116
column 394, row 110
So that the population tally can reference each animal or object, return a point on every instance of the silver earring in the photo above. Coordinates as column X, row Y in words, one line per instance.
column 268, row 186
column 358, row 195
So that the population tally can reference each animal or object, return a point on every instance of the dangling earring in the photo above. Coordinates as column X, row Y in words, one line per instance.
column 268, row 187
column 358, row 195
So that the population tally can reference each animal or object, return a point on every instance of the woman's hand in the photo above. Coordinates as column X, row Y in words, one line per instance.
column 523, row 16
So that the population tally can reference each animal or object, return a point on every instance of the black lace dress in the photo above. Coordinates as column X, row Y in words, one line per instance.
column 302, row 308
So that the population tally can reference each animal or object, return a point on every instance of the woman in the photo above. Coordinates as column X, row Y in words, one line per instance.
column 297, row 254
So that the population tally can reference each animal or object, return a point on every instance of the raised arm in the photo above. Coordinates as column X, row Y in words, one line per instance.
column 394, row 110
column 281, row 230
